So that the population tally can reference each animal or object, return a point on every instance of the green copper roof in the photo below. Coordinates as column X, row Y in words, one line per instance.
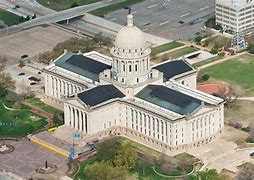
column 169, row 99
column 82, row 65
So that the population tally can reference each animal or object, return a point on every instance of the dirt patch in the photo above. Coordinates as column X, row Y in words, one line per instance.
column 213, row 89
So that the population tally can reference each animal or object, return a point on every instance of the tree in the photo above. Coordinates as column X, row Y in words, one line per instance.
column 198, row 39
column 27, row 18
column 214, row 50
column 105, row 171
column 74, row 4
column 166, row 165
column 206, row 42
column 108, row 149
column 3, row 61
column 126, row 156
column 205, row 77
column 6, row 81
column 21, row 19
column 246, row 172
column 210, row 174
column 184, row 163
column 46, row 57
column 251, row 48
column 229, row 94
column 98, row 38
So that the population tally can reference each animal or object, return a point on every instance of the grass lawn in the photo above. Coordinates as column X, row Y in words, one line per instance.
column 219, row 40
column 114, row 7
column 166, row 47
column 174, row 54
column 239, row 71
column 241, row 112
column 8, row 18
column 38, row 103
column 207, row 61
column 25, row 122
column 60, row 5
column 137, row 172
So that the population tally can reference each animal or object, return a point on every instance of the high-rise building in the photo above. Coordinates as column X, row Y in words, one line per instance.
column 235, row 15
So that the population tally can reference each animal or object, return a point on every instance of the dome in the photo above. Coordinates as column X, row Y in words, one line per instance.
column 130, row 36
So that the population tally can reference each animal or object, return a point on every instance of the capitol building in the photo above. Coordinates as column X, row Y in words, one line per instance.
column 158, row 106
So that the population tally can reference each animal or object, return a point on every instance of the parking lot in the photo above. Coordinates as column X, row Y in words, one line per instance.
column 31, row 42
column 162, row 17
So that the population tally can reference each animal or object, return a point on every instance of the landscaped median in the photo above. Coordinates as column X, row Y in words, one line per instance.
column 49, row 146
column 8, row 18
column 136, row 161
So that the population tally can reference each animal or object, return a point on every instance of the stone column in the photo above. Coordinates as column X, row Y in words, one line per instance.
column 66, row 88
column 76, row 119
column 165, row 131
column 80, row 120
column 72, row 117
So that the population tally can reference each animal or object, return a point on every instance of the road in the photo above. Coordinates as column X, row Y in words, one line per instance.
column 51, row 17
column 162, row 17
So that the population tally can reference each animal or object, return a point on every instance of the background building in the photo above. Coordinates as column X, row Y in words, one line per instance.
column 235, row 15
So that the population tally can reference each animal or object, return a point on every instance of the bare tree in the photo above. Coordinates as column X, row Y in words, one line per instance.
column 230, row 94
column 166, row 165
column 3, row 61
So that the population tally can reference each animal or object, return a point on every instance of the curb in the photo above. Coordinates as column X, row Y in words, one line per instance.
column 35, row 140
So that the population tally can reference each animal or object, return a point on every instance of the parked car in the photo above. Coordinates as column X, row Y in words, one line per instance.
column 24, row 56
column 21, row 74
column 33, row 83
column 32, row 78
column 252, row 155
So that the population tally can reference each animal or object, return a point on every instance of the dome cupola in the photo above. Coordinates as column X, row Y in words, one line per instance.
column 130, row 37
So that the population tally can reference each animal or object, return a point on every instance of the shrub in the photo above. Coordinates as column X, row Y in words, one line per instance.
column 74, row 4
column 249, row 139
column 198, row 39
column 214, row 50
column 246, row 129
column 238, row 125
column 205, row 77
column 221, row 54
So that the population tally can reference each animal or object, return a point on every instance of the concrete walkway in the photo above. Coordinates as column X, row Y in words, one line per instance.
column 246, row 98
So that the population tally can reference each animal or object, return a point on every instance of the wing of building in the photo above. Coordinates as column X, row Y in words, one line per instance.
column 157, row 106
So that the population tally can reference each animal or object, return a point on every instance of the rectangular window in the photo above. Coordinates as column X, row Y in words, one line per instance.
column 129, row 68
column 136, row 67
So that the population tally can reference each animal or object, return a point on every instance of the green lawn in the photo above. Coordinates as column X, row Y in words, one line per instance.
column 166, row 47
column 241, row 112
column 138, row 171
column 25, row 122
column 239, row 71
column 38, row 103
column 8, row 18
column 60, row 5
column 114, row 7
column 174, row 54
column 207, row 61
column 219, row 40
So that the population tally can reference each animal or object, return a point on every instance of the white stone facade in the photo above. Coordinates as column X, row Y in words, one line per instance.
column 115, row 107
column 237, row 16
